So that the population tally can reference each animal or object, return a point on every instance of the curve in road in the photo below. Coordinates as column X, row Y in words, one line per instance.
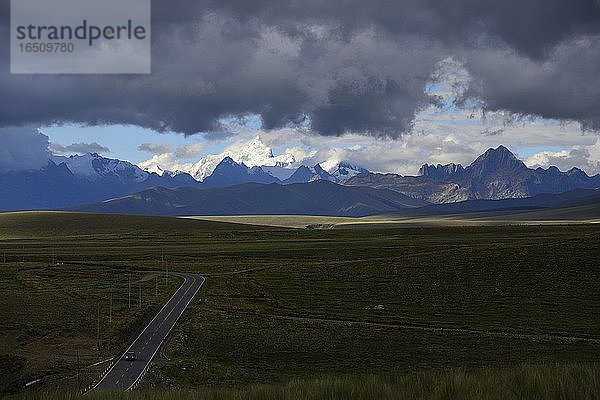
column 125, row 374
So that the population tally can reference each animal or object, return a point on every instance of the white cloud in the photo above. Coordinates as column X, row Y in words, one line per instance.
column 586, row 158
column 164, row 158
column 434, row 143
column 155, row 148
column 164, row 162
column 78, row 148
column 189, row 151
column 440, row 136
column 23, row 149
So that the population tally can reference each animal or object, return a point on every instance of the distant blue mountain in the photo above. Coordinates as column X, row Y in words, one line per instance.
column 229, row 173
column 94, row 178
column 314, row 198
column 68, row 181
column 537, row 202
column 306, row 174
column 496, row 174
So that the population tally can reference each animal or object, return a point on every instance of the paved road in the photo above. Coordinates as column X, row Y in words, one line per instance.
column 125, row 374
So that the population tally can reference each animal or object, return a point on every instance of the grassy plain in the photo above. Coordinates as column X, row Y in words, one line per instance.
column 548, row 382
column 587, row 213
column 279, row 305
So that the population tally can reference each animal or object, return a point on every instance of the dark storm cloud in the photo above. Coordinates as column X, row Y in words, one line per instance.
column 566, row 85
column 23, row 149
column 531, row 26
column 342, row 66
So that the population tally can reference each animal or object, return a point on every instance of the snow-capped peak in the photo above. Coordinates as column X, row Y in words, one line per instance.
column 343, row 170
column 253, row 153
column 92, row 166
column 155, row 169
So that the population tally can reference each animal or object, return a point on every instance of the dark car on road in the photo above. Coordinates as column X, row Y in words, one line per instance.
column 130, row 355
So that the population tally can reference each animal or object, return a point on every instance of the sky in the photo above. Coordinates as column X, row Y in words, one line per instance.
column 388, row 85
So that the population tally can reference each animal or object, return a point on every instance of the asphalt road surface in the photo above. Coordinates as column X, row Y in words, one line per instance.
column 124, row 374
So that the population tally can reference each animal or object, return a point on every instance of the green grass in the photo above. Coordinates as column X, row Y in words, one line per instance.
column 287, row 221
column 34, row 224
column 578, row 214
column 549, row 382
column 281, row 305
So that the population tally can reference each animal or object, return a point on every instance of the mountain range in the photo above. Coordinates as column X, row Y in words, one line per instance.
column 318, row 197
column 571, row 198
column 496, row 174
column 255, row 153
column 78, row 180
column 68, row 182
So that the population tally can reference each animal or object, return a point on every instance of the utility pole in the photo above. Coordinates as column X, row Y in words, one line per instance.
column 110, row 309
column 98, row 332
column 129, row 283
column 166, row 273
column 140, row 288
column 156, row 286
